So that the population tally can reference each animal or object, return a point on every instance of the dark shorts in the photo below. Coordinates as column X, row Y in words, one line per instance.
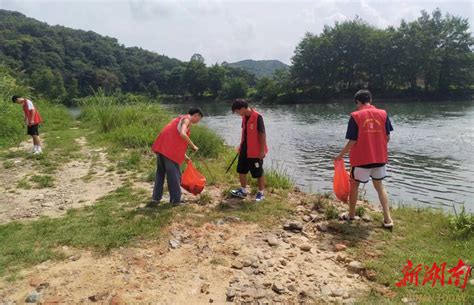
column 33, row 130
column 254, row 165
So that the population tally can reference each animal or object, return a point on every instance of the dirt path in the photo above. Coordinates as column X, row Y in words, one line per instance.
column 221, row 262
column 76, row 184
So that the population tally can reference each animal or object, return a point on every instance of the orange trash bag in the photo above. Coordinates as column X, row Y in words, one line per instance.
column 341, row 183
column 192, row 180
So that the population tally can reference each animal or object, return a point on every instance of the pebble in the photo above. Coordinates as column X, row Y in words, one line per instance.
column 278, row 287
column 174, row 244
column 355, row 266
column 322, row 227
column 305, row 247
column 33, row 297
column 230, row 295
column 237, row 265
column 339, row 247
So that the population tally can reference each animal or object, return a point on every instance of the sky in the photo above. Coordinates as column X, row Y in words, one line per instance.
column 224, row 30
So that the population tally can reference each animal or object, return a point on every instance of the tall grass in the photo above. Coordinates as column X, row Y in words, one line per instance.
column 12, row 128
column 135, row 123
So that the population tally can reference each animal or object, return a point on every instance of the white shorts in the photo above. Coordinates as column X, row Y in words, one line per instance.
column 362, row 174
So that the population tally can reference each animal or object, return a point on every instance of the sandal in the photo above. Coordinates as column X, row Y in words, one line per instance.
column 388, row 225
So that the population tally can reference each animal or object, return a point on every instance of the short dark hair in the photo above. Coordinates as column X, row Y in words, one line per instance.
column 193, row 111
column 239, row 104
column 14, row 98
column 364, row 96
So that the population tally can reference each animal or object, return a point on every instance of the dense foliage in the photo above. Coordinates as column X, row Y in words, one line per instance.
column 60, row 63
column 432, row 53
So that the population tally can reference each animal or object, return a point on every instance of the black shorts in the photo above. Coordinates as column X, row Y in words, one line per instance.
column 254, row 165
column 33, row 130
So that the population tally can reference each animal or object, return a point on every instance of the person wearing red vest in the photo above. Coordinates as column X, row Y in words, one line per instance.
column 170, row 148
column 252, row 149
column 368, row 133
column 32, row 120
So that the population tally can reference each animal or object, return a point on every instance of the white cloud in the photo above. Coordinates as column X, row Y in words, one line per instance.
column 226, row 30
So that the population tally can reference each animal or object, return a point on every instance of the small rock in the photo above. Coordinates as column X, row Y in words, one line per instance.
column 307, row 218
column 291, row 287
column 326, row 290
column 232, row 219
column 294, row 226
column 272, row 241
column 99, row 297
column 339, row 247
column 220, row 222
column 305, row 247
column 471, row 282
column 322, row 227
column 230, row 295
column 211, row 300
column 75, row 257
column 405, row 300
column 174, row 244
column 33, row 297
column 278, row 287
column 355, row 266
column 246, row 262
column 340, row 258
column 116, row 300
column 205, row 288
column 370, row 275
column 366, row 218
column 52, row 301
column 337, row 292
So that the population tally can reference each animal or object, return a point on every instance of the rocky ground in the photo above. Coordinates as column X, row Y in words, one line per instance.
column 301, row 260
column 75, row 184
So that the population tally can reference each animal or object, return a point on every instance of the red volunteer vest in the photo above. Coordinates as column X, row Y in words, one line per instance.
column 253, row 146
column 169, row 142
column 371, row 145
column 36, row 117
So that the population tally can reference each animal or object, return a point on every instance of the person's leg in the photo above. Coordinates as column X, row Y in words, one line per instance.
column 261, row 183
column 243, row 180
column 353, row 196
column 383, row 197
column 159, row 179
column 37, row 143
column 173, row 177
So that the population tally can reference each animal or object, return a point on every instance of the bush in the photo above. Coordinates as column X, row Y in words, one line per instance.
column 462, row 225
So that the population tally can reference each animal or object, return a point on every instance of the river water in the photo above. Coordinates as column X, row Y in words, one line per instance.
column 430, row 152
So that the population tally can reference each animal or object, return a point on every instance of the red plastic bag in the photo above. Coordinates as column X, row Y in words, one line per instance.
column 192, row 180
column 341, row 183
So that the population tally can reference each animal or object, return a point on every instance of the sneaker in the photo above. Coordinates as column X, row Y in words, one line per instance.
column 152, row 204
column 238, row 193
column 259, row 197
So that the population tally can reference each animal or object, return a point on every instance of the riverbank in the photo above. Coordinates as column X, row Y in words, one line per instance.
column 109, row 248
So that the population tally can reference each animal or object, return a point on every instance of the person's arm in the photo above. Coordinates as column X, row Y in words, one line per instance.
column 183, row 131
column 346, row 149
column 262, row 141
column 351, row 135
column 31, row 119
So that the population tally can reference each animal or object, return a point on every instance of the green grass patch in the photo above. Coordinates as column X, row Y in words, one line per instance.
column 113, row 222
column 23, row 184
column 423, row 236
column 42, row 181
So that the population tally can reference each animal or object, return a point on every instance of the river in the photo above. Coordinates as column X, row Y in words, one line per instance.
column 430, row 152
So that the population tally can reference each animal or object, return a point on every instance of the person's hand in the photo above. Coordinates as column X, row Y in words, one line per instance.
column 339, row 157
column 195, row 148
column 32, row 123
column 237, row 149
column 187, row 157
column 261, row 155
